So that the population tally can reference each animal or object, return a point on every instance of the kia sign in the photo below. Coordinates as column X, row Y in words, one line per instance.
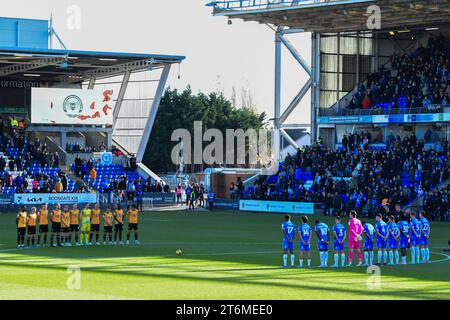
column 54, row 198
column 72, row 106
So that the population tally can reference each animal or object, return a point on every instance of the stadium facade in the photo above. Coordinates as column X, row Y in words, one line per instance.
column 33, row 56
column 350, row 40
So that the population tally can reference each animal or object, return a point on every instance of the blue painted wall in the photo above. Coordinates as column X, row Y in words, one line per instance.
column 23, row 33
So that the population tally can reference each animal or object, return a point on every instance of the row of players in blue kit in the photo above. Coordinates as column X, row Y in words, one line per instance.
column 389, row 237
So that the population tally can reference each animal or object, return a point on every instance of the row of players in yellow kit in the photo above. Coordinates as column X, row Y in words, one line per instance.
column 81, row 226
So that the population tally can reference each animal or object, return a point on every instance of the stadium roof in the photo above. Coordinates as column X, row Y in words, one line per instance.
column 50, row 65
column 326, row 16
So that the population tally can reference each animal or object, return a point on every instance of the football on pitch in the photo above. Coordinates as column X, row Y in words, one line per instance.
column 178, row 252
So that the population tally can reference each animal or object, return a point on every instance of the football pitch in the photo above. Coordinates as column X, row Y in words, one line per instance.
column 226, row 255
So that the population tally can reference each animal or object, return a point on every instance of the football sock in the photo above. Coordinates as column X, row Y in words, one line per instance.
column 391, row 257
column 350, row 257
column 413, row 255
column 360, row 256
column 366, row 257
column 292, row 257
column 18, row 240
column 418, row 254
column 385, row 256
column 336, row 259
column 136, row 237
column 97, row 236
column 427, row 254
column 300, row 262
column 309, row 262
column 371, row 257
column 285, row 258
column 422, row 252
column 397, row 257
column 321, row 254
column 343, row 259
column 325, row 258
column 380, row 254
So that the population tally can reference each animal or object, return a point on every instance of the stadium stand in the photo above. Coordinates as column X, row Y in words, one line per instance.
column 362, row 178
column 419, row 80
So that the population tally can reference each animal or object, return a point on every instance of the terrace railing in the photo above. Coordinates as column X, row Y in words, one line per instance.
column 243, row 5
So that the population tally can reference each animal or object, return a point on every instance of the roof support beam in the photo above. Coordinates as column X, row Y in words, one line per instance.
column 18, row 68
column 295, row 54
column 109, row 70
column 121, row 96
column 153, row 113
column 289, row 139
column 295, row 102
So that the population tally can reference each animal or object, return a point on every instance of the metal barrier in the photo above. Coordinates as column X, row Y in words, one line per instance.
column 331, row 112
column 243, row 5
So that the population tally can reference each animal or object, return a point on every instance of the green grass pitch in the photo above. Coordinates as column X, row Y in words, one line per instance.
column 226, row 255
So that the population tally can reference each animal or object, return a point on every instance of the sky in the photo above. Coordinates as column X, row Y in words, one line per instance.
column 219, row 56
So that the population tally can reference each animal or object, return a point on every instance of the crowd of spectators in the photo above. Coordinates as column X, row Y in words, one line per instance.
column 29, row 166
column 416, row 80
column 76, row 148
column 357, row 177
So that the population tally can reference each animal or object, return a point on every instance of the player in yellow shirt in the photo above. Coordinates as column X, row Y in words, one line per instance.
column 21, row 222
column 133, row 224
column 85, row 225
column 95, row 225
column 118, row 227
column 108, row 219
column 31, row 224
column 65, row 227
column 43, row 225
column 56, row 226
column 74, row 224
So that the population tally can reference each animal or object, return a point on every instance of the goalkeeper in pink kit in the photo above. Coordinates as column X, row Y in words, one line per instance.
column 354, row 238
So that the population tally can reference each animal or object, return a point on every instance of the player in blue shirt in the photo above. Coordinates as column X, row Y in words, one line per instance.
column 369, row 238
column 424, row 237
column 340, row 234
column 393, row 237
column 382, row 234
column 403, row 227
column 305, row 236
column 288, row 230
column 415, row 232
column 323, row 236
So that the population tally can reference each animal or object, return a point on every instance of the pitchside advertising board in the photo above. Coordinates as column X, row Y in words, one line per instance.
column 72, row 106
column 53, row 198
column 277, row 207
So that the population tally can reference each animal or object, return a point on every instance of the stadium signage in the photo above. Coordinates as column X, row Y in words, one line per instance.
column 160, row 198
column 226, row 204
column 72, row 106
column 6, row 199
column 386, row 119
column 19, row 84
column 54, row 198
column 276, row 206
